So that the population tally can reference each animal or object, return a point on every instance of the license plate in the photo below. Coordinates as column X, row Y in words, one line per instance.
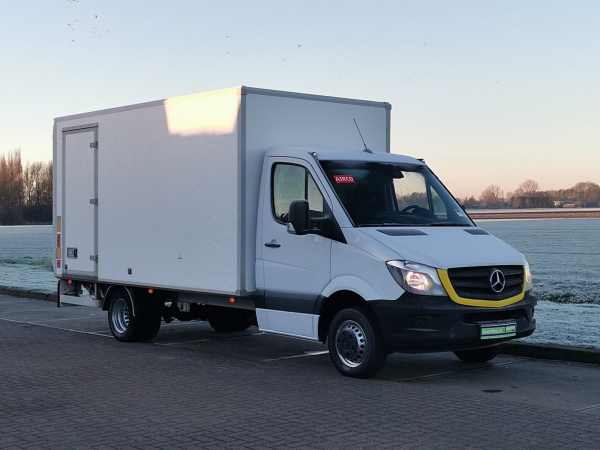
column 498, row 330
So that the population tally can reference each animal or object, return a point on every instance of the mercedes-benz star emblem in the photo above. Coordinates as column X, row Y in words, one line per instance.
column 497, row 281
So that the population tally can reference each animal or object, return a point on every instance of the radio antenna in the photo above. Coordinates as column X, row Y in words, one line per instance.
column 366, row 149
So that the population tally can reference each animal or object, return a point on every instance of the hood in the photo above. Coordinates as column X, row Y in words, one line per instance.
column 445, row 247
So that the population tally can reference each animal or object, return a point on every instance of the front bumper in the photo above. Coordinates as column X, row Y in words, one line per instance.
column 416, row 323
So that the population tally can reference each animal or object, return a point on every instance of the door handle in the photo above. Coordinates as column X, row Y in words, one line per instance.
column 272, row 244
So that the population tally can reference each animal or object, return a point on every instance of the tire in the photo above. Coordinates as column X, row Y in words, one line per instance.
column 122, row 324
column 479, row 355
column 126, row 327
column 355, row 344
column 228, row 320
column 149, row 317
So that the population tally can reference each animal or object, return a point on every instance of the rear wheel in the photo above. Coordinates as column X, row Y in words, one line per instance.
column 120, row 317
column 150, row 317
column 479, row 355
column 227, row 320
column 127, row 326
column 355, row 346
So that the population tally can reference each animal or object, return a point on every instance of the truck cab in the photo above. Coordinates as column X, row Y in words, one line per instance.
column 372, row 254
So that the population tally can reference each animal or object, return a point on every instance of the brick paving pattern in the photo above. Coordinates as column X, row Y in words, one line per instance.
column 65, row 389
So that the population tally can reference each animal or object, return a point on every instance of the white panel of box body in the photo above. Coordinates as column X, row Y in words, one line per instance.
column 168, row 193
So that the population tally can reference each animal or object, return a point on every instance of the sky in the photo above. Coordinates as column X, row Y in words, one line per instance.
column 492, row 92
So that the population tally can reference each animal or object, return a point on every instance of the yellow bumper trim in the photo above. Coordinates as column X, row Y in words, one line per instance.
column 445, row 279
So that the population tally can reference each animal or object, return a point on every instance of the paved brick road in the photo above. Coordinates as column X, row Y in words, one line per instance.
column 65, row 383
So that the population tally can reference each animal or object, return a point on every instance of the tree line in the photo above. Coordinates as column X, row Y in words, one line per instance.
column 529, row 195
column 25, row 191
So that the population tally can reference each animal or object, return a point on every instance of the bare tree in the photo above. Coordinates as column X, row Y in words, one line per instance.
column 492, row 196
column 11, row 188
column 37, row 183
column 46, row 186
column 529, row 187
column 25, row 193
column 587, row 193
column 31, row 183
column 470, row 202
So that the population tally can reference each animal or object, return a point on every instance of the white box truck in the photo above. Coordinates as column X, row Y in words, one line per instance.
column 283, row 210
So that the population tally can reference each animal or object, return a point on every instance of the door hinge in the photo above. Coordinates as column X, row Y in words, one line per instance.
column 94, row 201
column 94, row 145
column 94, row 258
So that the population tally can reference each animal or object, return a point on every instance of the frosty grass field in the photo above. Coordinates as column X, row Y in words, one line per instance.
column 564, row 256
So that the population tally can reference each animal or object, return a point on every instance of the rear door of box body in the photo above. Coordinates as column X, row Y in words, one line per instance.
column 79, row 213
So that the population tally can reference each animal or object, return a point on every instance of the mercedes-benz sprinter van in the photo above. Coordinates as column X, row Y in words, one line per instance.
column 256, row 207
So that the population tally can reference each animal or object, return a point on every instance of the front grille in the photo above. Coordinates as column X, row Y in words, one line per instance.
column 474, row 282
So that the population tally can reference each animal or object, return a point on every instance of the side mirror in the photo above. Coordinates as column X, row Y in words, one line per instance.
column 298, row 216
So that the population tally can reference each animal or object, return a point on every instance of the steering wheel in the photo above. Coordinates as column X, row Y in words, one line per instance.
column 412, row 209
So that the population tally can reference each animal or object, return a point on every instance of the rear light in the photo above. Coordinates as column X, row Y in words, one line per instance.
column 58, row 242
column 231, row 300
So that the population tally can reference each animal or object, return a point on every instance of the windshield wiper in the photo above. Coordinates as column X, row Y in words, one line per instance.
column 447, row 224
column 391, row 224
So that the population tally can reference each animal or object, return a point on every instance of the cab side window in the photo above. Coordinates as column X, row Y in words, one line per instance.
column 438, row 206
column 293, row 182
column 314, row 197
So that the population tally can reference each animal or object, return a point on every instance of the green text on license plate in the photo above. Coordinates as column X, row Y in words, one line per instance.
column 498, row 331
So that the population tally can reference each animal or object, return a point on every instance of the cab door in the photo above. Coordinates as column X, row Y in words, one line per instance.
column 296, row 268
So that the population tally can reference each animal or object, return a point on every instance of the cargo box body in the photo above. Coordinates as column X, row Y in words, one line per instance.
column 164, row 194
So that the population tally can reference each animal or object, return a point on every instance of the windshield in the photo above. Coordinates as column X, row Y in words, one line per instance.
column 384, row 194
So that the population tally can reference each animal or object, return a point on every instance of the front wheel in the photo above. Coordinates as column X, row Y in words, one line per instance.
column 355, row 347
column 479, row 355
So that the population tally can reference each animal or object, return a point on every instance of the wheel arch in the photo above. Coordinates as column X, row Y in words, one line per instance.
column 354, row 284
column 337, row 301
column 113, row 288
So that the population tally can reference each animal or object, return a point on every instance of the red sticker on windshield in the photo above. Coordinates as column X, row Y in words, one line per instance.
column 343, row 179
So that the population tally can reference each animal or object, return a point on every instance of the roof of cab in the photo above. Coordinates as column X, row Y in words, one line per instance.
column 357, row 155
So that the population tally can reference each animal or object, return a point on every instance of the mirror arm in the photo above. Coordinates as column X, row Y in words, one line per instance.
column 322, row 219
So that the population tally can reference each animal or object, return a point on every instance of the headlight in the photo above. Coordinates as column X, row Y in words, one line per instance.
column 528, row 281
column 416, row 278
